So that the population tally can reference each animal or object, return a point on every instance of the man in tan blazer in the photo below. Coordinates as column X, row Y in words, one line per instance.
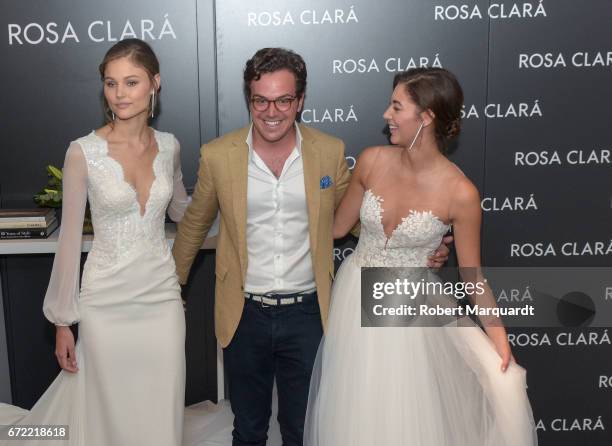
column 222, row 186
column 276, row 185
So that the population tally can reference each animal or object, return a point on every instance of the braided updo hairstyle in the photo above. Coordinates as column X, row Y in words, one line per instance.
column 438, row 90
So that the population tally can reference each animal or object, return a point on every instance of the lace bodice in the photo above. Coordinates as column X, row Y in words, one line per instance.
column 415, row 238
column 121, row 233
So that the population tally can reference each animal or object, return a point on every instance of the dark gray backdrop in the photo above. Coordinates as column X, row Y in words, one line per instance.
column 524, row 111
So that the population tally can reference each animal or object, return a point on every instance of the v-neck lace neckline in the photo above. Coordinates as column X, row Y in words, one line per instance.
column 142, row 207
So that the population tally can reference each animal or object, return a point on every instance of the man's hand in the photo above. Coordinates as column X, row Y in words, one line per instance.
column 64, row 349
column 440, row 257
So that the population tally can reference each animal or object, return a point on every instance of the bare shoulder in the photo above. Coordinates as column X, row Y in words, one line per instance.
column 369, row 155
column 366, row 161
column 464, row 191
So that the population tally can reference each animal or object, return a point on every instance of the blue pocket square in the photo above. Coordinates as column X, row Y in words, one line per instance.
column 326, row 182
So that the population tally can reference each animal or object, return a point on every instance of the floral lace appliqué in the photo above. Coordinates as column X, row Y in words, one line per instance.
column 414, row 239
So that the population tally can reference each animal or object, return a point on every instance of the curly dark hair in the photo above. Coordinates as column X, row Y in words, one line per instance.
column 438, row 90
column 269, row 60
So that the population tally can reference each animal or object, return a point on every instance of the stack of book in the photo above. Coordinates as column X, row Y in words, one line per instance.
column 27, row 223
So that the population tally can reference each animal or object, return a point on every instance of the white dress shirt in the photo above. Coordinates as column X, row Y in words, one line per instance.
column 278, row 241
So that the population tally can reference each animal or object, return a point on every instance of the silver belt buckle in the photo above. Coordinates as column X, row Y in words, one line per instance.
column 268, row 301
column 255, row 298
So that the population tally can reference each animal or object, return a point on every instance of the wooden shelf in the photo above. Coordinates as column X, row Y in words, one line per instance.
column 49, row 244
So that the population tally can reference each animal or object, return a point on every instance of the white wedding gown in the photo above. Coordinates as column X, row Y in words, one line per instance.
column 129, row 389
column 409, row 386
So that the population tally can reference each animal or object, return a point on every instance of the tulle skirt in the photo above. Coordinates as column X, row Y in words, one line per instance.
column 412, row 386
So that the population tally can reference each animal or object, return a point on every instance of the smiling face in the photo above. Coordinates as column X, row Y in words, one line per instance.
column 274, row 126
column 128, row 88
column 403, row 117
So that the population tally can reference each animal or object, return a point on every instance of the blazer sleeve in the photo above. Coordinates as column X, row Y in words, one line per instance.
column 197, row 220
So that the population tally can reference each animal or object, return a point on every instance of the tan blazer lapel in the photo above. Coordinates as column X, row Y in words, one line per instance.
column 312, row 178
column 238, row 164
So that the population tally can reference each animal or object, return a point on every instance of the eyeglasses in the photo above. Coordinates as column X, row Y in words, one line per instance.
column 282, row 104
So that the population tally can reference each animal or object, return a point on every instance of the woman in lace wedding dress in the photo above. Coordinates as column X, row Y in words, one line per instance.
column 413, row 386
column 123, row 384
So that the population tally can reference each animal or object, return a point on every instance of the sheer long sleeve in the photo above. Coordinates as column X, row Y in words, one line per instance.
column 61, row 301
column 180, row 199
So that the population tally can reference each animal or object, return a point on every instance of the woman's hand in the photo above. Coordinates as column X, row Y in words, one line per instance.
column 500, row 341
column 64, row 349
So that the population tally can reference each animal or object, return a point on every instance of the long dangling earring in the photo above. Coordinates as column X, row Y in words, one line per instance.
column 113, row 113
column 153, row 104
column 417, row 135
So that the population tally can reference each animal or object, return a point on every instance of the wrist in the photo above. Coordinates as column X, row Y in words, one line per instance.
column 495, row 331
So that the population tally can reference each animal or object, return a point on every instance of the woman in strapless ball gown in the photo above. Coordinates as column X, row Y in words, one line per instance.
column 413, row 386
column 123, row 383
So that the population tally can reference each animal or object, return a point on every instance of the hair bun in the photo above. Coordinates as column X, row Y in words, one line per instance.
column 453, row 128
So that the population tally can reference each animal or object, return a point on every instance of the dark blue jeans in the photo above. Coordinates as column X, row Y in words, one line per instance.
column 272, row 341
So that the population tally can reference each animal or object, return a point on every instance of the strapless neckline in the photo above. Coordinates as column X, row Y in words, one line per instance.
column 412, row 213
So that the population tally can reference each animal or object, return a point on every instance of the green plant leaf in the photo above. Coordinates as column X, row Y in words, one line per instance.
column 57, row 173
column 51, row 195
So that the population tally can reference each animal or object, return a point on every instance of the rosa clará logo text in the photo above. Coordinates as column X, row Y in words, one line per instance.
column 336, row 16
column 390, row 65
column 338, row 114
column 572, row 424
column 566, row 249
column 95, row 31
column 518, row 203
column 579, row 59
column 496, row 11
column 573, row 157
column 506, row 110
column 562, row 339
